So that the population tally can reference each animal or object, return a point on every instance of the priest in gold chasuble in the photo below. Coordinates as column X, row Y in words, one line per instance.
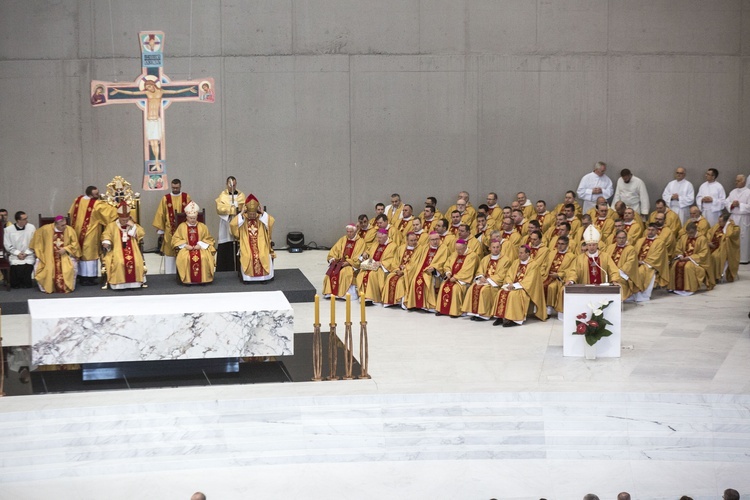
column 57, row 252
column 458, row 274
column 251, row 228
column 195, row 249
column 123, row 259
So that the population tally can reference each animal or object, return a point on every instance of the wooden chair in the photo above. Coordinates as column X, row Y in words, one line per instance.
column 43, row 220
column 180, row 217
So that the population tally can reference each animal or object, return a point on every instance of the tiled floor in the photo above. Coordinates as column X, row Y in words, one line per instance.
column 455, row 409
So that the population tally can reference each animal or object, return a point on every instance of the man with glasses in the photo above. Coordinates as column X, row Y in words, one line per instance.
column 679, row 194
column 21, row 257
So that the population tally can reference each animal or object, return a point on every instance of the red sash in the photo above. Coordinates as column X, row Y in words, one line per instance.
column 171, row 211
column 392, row 282
column 427, row 225
column 447, row 295
column 595, row 277
column 128, row 256
column 645, row 248
column 420, row 283
column 600, row 223
column 195, row 256
column 252, row 238
column 554, row 266
column 335, row 268
column 376, row 257
column 679, row 268
column 502, row 298
column 716, row 240
column 86, row 219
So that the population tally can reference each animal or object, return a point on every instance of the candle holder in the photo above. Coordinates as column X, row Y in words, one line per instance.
column 332, row 353
column 364, row 354
column 348, row 352
column 317, row 354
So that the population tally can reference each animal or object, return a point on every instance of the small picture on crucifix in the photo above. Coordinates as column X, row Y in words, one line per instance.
column 206, row 92
column 98, row 97
column 155, row 168
column 156, row 182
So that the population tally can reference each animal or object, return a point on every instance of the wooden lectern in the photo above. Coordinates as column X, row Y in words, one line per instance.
column 576, row 301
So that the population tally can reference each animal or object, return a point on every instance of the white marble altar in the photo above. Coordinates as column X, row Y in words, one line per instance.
column 161, row 327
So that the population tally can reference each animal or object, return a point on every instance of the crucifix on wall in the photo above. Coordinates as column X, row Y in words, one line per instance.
column 153, row 92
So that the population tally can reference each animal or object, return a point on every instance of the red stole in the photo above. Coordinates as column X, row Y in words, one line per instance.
column 595, row 277
column 128, row 256
column 617, row 254
column 420, row 281
column 452, row 230
column 447, row 295
column 679, row 268
column 58, row 241
column 86, row 219
column 502, row 298
column 476, row 290
column 627, row 227
column 402, row 224
column 600, row 223
column 376, row 257
column 195, row 256
column 428, row 224
column 645, row 249
column 335, row 268
column 392, row 282
column 171, row 210
column 554, row 266
column 252, row 238
column 716, row 240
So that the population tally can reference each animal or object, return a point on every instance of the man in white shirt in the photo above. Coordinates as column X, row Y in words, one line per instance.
column 632, row 191
column 710, row 197
column 738, row 205
column 679, row 195
column 593, row 185
column 21, row 257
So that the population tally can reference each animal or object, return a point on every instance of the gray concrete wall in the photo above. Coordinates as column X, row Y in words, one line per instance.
column 327, row 106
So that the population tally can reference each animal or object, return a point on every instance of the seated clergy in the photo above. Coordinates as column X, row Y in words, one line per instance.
column 123, row 259
column 624, row 256
column 653, row 264
column 424, row 270
column 480, row 297
column 251, row 228
column 375, row 264
column 394, row 287
column 522, row 287
column 57, row 253
column 457, row 273
column 343, row 261
column 558, row 265
column 689, row 268
column 724, row 247
column 195, row 249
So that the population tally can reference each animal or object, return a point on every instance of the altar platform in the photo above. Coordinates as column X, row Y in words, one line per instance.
column 295, row 286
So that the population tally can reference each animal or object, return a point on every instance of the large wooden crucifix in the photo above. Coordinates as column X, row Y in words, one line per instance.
column 153, row 92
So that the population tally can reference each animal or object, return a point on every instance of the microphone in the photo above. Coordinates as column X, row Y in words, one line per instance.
column 606, row 276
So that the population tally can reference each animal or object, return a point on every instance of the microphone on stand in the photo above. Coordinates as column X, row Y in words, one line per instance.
column 606, row 276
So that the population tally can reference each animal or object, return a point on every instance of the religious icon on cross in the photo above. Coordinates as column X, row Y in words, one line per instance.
column 153, row 92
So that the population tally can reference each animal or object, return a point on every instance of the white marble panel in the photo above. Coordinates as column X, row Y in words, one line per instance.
column 161, row 327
